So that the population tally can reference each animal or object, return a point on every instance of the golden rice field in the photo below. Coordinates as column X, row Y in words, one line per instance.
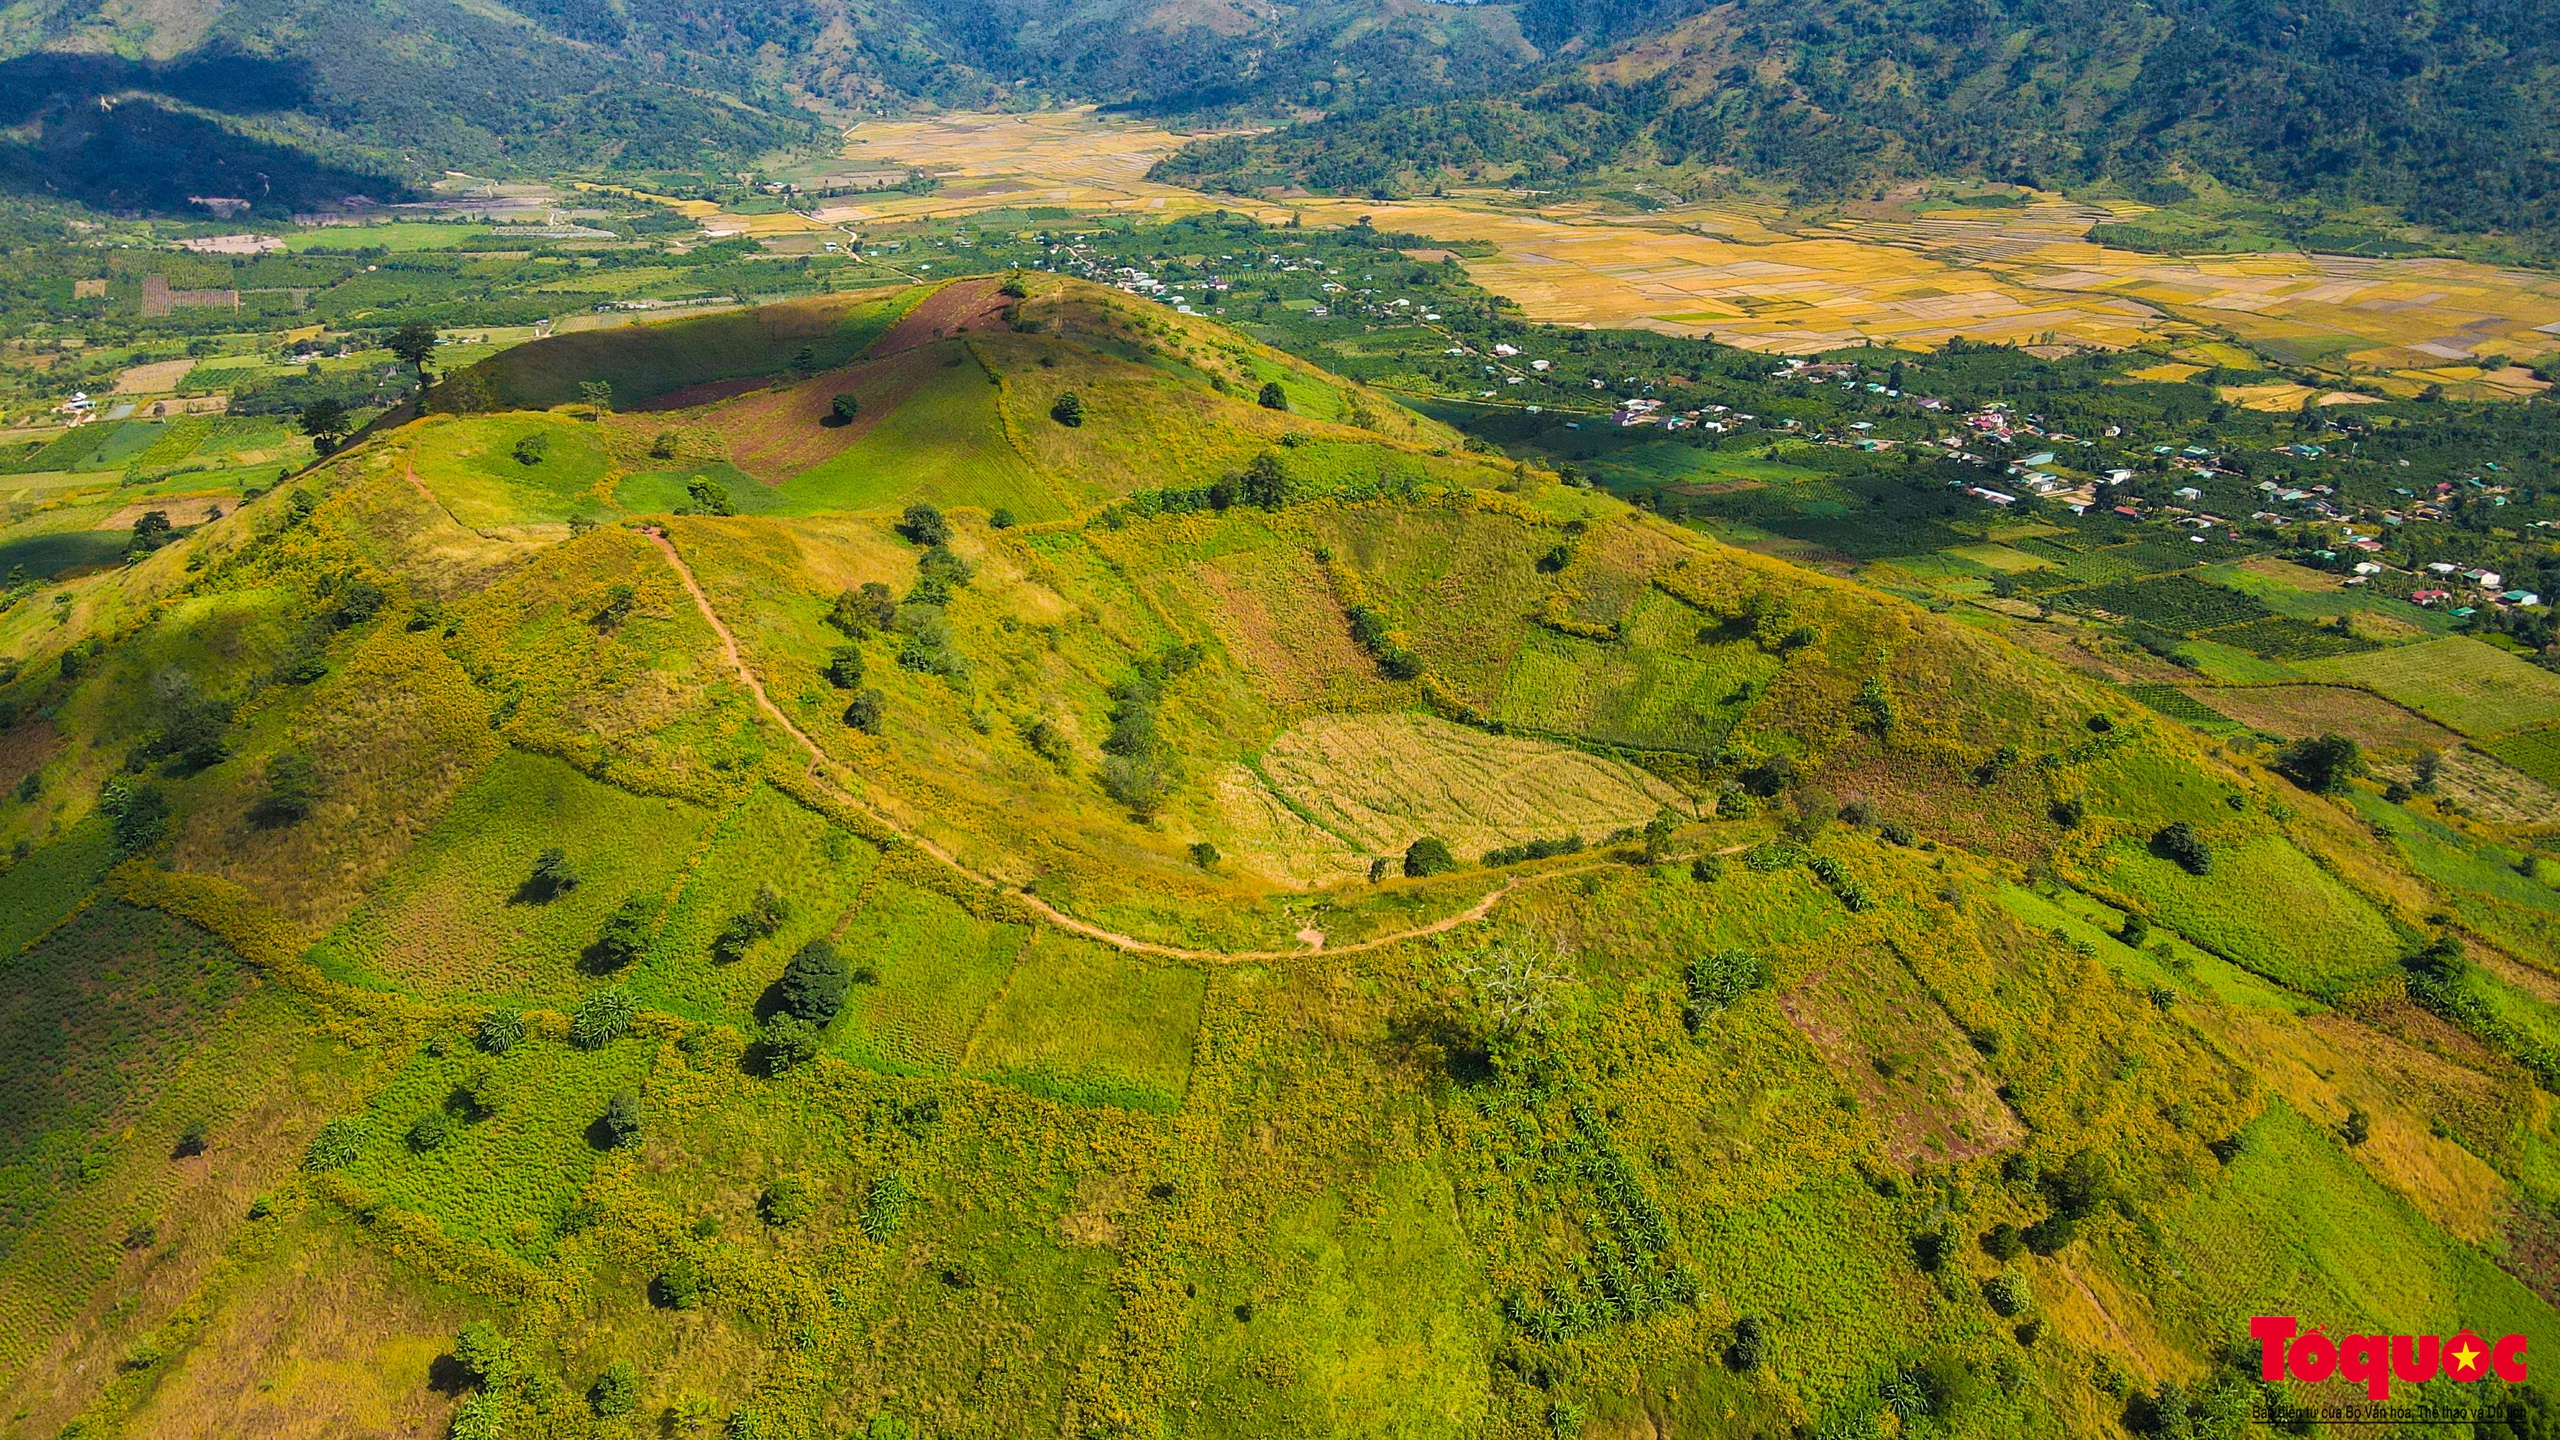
column 2026, row 275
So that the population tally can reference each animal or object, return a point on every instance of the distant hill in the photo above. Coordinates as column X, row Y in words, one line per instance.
column 2439, row 114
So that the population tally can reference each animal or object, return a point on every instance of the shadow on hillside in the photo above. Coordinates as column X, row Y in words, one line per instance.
column 104, row 131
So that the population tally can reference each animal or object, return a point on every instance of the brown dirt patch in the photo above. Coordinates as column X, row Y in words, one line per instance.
column 1892, row 1044
column 960, row 305
column 24, row 749
column 181, row 510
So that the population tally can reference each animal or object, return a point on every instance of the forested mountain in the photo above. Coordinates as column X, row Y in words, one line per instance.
column 2444, row 112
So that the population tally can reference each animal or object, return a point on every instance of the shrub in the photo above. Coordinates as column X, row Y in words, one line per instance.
column 709, row 497
column 2137, row 929
column 500, row 1030
column 886, row 1207
column 678, row 1287
column 863, row 711
column 621, row 1121
column 764, row 915
column 616, row 1391
column 626, row 933
column 602, row 1018
column 843, row 408
column 844, row 667
column 2007, row 1293
column 1272, row 396
column 293, row 789
column 1718, row 978
column 140, row 814
column 859, row 612
column 815, row 982
column 1894, row 832
column 1047, row 741
column 2001, row 1242
column 2179, row 842
column 1204, row 854
column 925, row 525
column 334, row 1148
column 784, row 1203
column 1707, row 869
column 789, row 1042
column 434, row 1131
column 482, row 1352
column 1265, row 482
column 1543, row 849
column 2051, row 1235
column 193, row 1139
column 1750, row 1344
column 1428, row 856
column 531, row 449
column 1000, row 518
column 1069, row 410
column 552, row 874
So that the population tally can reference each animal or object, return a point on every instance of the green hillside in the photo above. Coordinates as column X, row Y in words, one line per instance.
column 967, row 914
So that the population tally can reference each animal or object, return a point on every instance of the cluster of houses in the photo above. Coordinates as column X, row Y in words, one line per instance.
column 2485, row 583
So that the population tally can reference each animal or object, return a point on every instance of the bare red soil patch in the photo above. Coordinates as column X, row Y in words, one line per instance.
column 960, row 305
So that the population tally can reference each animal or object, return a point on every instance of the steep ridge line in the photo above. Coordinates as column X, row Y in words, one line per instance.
column 1064, row 921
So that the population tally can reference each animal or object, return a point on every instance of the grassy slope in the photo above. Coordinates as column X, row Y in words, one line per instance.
column 1223, row 1199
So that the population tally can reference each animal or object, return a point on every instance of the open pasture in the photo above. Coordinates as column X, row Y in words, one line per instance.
column 1077, row 1021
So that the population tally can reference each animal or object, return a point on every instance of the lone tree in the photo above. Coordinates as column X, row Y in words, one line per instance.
column 842, row 409
column 1069, row 410
column 1428, row 856
column 414, row 344
column 925, row 525
column 621, row 1122
column 626, row 933
column 1272, row 396
column 328, row 424
column 2321, row 764
column 598, row 395
column 552, row 874
column 815, row 982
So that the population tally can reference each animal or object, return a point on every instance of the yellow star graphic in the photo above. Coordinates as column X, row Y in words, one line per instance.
column 2467, row 1358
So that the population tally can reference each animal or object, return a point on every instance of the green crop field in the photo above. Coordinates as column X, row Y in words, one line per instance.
column 2535, row 752
column 1186, row 916
column 2265, row 906
column 2474, row 688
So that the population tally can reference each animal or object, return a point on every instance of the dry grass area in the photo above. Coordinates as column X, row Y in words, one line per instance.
column 1380, row 782
column 158, row 378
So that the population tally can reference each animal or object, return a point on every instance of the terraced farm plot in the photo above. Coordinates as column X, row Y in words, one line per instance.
column 1629, row 694
column 494, row 471
column 945, row 445
column 2292, row 711
column 1886, row 1039
column 2294, row 1227
column 766, row 839
column 2535, row 752
column 463, row 915
column 506, row 1179
column 1084, row 1023
column 935, row 968
column 2457, row 682
column 1380, row 782
column 2266, row 906
column 2281, row 637
column 2177, row 704
column 2175, row 602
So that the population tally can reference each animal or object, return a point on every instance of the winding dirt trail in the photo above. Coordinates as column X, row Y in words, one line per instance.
column 818, row 763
